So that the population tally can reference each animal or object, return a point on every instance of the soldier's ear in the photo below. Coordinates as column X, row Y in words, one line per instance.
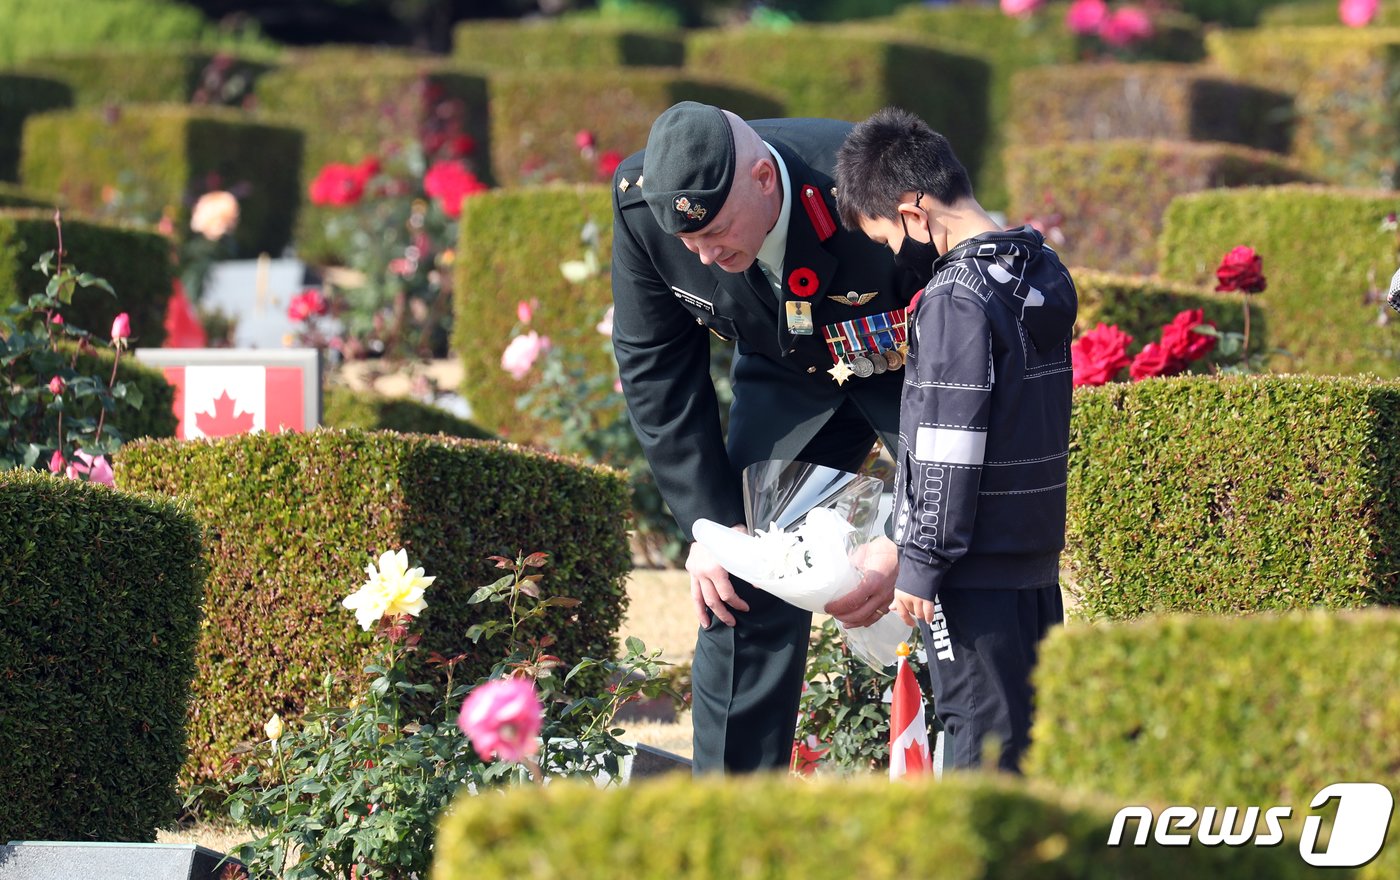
column 765, row 174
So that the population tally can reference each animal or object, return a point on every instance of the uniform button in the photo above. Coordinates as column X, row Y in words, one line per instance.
column 811, row 369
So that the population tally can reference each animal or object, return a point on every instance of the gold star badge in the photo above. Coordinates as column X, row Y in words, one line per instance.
column 841, row 371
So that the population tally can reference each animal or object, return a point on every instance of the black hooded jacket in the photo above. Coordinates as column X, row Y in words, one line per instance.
column 984, row 421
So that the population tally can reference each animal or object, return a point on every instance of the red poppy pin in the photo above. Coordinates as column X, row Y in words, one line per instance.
column 802, row 281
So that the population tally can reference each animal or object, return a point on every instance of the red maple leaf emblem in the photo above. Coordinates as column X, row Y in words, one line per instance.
column 222, row 422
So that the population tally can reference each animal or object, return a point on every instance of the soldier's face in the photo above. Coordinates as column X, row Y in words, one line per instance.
column 732, row 240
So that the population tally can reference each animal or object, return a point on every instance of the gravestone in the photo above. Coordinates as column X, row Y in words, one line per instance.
column 65, row 860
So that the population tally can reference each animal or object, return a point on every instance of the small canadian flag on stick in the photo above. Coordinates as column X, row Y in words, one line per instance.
column 909, row 751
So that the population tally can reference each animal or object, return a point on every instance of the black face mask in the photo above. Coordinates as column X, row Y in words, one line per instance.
column 916, row 257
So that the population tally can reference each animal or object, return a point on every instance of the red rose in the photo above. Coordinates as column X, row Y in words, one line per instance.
column 461, row 145
column 1182, row 342
column 1241, row 270
column 450, row 182
column 1154, row 360
column 338, row 184
column 1098, row 355
column 307, row 304
column 607, row 164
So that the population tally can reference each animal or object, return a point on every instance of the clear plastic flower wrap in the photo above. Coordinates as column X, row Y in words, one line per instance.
column 807, row 526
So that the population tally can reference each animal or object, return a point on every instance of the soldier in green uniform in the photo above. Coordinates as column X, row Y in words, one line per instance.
column 726, row 226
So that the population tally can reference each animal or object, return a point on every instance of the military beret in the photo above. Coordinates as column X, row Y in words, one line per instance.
column 688, row 166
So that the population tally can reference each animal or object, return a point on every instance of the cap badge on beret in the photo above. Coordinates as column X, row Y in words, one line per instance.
column 693, row 210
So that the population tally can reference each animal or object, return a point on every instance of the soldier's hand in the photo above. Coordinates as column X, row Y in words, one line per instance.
column 912, row 609
column 870, row 600
column 710, row 587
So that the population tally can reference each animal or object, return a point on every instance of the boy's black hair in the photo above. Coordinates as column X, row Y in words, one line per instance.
column 889, row 154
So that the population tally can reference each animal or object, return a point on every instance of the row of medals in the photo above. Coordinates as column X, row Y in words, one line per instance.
column 872, row 363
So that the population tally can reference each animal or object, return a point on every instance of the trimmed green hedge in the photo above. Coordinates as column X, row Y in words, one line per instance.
column 40, row 28
column 1008, row 44
column 136, row 262
column 1237, row 494
column 12, row 196
column 1223, row 711
column 1140, row 307
column 353, row 103
column 293, row 519
column 533, row 129
column 1174, row 102
column 566, row 45
column 1347, row 128
column 502, row 259
column 167, row 155
column 343, row 408
column 757, row 828
column 845, row 72
column 1112, row 194
column 20, row 97
column 99, row 613
column 1323, row 14
column 156, row 75
column 1322, row 249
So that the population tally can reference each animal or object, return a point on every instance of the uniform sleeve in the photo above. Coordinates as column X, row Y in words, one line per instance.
column 663, row 359
column 949, row 398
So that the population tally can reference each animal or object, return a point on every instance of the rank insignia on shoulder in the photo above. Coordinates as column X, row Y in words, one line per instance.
column 693, row 210
column 818, row 213
column 851, row 298
column 623, row 185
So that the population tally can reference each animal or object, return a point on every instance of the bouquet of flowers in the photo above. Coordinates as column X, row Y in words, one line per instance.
column 806, row 526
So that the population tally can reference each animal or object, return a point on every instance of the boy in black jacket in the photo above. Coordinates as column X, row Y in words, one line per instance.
column 983, row 428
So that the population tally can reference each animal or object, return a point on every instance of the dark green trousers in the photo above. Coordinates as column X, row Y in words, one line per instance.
column 746, row 680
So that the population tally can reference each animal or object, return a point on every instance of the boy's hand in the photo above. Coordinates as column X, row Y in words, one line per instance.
column 912, row 609
column 870, row 600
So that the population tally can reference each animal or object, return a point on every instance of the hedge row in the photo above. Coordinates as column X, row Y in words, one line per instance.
column 367, row 411
column 1346, row 129
column 849, row 73
column 1223, row 711
column 170, row 155
column 1232, row 495
column 135, row 262
column 503, row 258
column 12, row 196
column 564, row 45
column 1141, row 306
column 533, row 131
column 1320, row 14
column 20, row 97
column 293, row 519
column 150, row 75
column 1173, row 102
column 757, row 828
column 1112, row 194
column 40, row 28
column 97, row 630
column 354, row 104
column 1322, row 250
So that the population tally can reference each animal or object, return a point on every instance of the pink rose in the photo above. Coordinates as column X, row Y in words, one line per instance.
column 1357, row 13
column 214, row 215
column 605, row 326
column 522, row 353
column 1181, row 340
column 584, row 139
column 1099, row 355
column 121, row 328
column 56, row 385
column 1154, row 360
column 307, row 304
column 502, row 717
column 56, row 319
column 97, row 469
column 1125, row 26
column 1085, row 16
column 57, row 463
column 524, row 311
column 1020, row 8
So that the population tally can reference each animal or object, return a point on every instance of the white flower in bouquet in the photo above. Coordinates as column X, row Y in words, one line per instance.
column 392, row 589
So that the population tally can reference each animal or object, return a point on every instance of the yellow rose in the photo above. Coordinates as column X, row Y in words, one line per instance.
column 393, row 588
column 273, row 727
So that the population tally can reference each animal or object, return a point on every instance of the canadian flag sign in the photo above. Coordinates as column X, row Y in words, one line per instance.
column 226, row 394
column 909, row 751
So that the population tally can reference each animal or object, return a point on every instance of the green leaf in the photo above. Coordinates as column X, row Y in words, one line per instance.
column 635, row 645
column 87, row 279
